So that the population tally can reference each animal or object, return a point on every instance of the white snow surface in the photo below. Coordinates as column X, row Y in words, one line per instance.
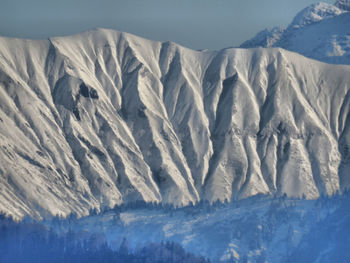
column 320, row 31
column 104, row 117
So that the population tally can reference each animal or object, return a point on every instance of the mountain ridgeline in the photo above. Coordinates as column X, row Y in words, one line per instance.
column 104, row 118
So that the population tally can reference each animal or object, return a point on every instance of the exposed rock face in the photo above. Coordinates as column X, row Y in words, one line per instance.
column 104, row 117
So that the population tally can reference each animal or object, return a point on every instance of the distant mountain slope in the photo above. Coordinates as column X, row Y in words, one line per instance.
column 320, row 31
column 104, row 117
column 343, row 4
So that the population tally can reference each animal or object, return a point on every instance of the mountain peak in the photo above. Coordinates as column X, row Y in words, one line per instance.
column 315, row 13
column 343, row 4
column 320, row 31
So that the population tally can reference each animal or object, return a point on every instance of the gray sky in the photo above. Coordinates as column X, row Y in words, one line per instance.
column 198, row 24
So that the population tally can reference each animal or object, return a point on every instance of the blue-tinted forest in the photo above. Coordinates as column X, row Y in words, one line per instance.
column 279, row 228
column 34, row 242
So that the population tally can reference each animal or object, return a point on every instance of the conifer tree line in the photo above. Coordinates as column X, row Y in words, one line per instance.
column 32, row 242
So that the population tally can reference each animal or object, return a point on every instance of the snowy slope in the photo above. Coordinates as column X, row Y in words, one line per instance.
column 320, row 31
column 104, row 117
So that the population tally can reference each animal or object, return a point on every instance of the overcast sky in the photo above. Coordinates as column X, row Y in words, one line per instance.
column 198, row 24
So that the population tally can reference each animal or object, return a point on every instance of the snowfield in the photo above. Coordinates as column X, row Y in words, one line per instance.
column 104, row 118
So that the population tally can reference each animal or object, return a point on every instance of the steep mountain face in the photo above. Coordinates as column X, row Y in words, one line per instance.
column 105, row 117
column 320, row 31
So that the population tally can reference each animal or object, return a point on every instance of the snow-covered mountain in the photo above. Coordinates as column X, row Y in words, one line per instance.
column 320, row 31
column 104, row 117
column 343, row 4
